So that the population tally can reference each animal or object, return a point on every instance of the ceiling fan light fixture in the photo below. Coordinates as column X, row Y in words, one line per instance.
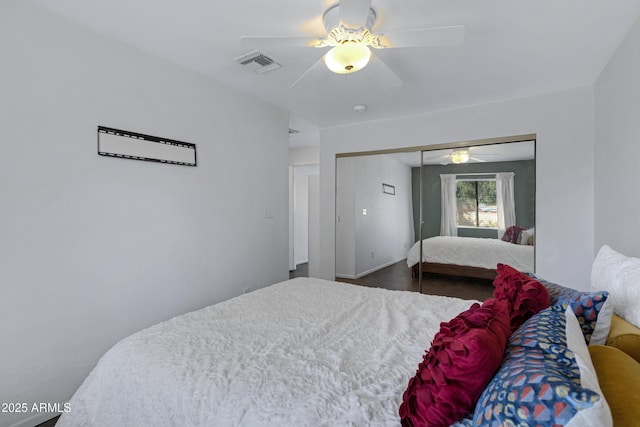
column 347, row 57
column 459, row 156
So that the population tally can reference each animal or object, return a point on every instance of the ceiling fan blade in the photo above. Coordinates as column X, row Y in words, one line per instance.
column 420, row 37
column 384, row 76
column 313, row 75
column 475, row 159
column 484, row 154
column 442, row 156
column 271, row 42
column 354, row 13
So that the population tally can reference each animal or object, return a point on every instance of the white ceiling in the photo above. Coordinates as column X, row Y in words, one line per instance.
column 512, row 48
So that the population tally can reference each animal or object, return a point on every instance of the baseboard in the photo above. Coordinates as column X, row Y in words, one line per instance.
column 371, row 270
column 374, row 269
column 35, row 419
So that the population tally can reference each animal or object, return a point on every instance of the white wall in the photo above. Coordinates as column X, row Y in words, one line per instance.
column 301, row 211
column 563, row 123
column 303, row 156
column 314, row 225
column 292, row 261
column 617, row 149
column 96, row 248
column 384, row 235
column 300, row 156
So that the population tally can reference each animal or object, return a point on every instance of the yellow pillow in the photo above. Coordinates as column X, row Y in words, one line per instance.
column 619, row 378
column 624, row 336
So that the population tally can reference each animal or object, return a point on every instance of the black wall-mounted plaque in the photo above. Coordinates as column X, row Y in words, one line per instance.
column 137, row 146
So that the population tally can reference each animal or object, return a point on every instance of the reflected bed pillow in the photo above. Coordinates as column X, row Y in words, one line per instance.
column 512, row 234
column 464, row 356
column 526, row 237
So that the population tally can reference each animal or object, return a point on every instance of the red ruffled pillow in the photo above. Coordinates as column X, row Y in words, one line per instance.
column 526, row 296
column 463, row 358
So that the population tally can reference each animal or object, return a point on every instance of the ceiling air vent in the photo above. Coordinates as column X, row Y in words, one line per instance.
column 258, row 62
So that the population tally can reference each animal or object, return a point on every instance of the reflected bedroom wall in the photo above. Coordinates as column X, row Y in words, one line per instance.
column 524, row 192
column 373, row 229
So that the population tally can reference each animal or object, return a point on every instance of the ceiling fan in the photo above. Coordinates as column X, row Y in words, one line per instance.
column 458, row 156
column 349, row 37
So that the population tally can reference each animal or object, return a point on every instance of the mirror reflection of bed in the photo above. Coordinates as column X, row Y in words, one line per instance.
column 492, row 195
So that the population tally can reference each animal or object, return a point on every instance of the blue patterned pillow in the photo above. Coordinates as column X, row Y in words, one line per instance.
column 542, row 333
column 546, row 379
column 591, row 309
column 555, row 291
column 593, row 313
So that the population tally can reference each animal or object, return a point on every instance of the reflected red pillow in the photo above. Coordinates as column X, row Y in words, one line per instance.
column 464, row 356
column 526, row 296
column 512, row 233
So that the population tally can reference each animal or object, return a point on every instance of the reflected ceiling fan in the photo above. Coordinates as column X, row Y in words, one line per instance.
column 458, row 156
column 349, row 37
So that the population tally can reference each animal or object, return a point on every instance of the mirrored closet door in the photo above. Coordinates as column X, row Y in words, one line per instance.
column 456, row 195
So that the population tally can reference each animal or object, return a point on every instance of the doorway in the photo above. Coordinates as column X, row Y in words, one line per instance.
column 302, row 194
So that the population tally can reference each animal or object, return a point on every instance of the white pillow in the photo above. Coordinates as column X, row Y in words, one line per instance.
column 620, row 276
column 599, row 415
column 526, row 236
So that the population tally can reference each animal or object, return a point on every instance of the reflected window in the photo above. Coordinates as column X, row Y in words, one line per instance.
column 476, row 203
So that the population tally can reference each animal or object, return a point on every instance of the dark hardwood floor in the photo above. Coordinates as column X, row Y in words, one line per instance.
column 398, row 277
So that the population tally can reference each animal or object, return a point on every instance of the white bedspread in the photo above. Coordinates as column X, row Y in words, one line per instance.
column 473, row 252
column 304, row 352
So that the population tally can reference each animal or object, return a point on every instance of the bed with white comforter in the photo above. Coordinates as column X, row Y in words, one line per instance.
column 304, row 352
column 472, row 252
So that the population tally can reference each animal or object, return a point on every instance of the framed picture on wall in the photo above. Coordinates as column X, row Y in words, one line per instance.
column 388, row 189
